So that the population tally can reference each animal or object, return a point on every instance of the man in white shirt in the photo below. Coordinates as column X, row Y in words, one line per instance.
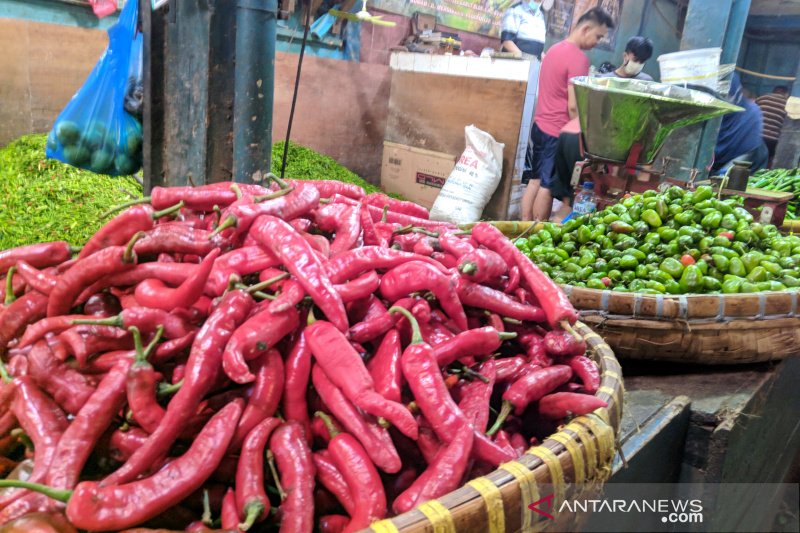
column 523, row 29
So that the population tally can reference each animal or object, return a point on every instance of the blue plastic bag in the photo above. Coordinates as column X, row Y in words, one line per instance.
column 95, row 131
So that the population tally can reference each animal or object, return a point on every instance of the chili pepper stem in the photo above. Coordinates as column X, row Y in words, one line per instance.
column 271, row 461
column 569, row 329
column 385, row 424
column 416, row 334
column 21, row 436
column 115, row 320
column 253, row 511
column 50, row 492
column 509, row 320
column 233, row 281
column 265, row 284
column 10, row 286
column 168, row 211
column 75, row 249
column 264, row 295
column 206, row 517
column 385, row 212
column 282, row 184
column 166, row 390
column 467, row 267
column 425, row 232
column 404, row 229
column 229, row 222
column 4, row 375
column 130, row 256
column 507, row 335
column 120, row 207
column 237, row 190
column 501, row 418
column 328, row 423
column 277, row 194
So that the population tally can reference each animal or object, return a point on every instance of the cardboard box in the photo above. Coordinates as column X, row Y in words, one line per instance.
column 415, row 173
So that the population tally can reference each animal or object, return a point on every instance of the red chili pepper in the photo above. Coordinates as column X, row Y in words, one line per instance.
column 155, row 294
column 384, row 231
column 229, row 515
column 240, row 262
column 455, row 245
column 376, row 440
column 141, row 386
column 447, row 260
column 384, row 367
column 39, row 522
column 169, row 273
column 555, row 304
column 103, row 508
column 296, row 467
column 406, row 220
column 296, row 203
column 202, row 198
column 443, row 475
column 428, row 443
column 202, row 369
column 292, row 293
column 120, row 229
column 176, row 239
column 329, row 475
column 297, row 257
column 587, row 372
column 55, row 324
column 297, row 376
column 369, row 233
column 359, row 288
column 483, row 297
column 407, row 242
column 398, row 206
column 476, row 395
column 529, row 388
column 565, row 404
column 328, row 188
column 252, row 502
column 508, row 368
column 43, row 421
column 82, row 342
column 38, row 280
column 40, row 255
column 265, row 395
column 512, row 284
column 346, row 370
column 87, row 271
column 361, row 477
column 122, row 444
column 355, row 262
column 342, row 220
column 560, row 343
column 253, row 338
column 70, row 389
column 147, row 320
column 102, row 304
column 481, row 265
column 377, row 322
column 431, row 395
column 27, row 309
column 18, row 286
column 86, row 428
column 417, row 276
column 333, row 523
column 423, row 247
column 474, row 342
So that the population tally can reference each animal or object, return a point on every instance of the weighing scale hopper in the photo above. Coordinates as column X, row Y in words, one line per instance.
column 625, row 122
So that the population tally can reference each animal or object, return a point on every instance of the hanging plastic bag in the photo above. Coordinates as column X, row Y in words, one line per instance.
column 95, row 131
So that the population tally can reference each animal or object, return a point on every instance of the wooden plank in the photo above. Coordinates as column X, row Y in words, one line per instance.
column 347, row 123
column 430, row 111
column 153, row 30
column 15, row 98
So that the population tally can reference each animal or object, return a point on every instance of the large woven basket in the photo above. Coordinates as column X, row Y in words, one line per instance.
column 709, row 329
column 712, row 329
column 580, row 453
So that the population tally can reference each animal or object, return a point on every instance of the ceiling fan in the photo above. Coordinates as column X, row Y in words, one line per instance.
column 362, row 16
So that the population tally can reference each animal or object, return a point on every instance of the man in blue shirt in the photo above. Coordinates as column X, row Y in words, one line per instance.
column 740, row 134
column 523, row 29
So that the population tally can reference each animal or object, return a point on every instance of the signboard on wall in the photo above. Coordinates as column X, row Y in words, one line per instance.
column 565, row 14
column 475, row 16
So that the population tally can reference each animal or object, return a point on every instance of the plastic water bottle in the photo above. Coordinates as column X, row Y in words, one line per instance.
column 585, row 201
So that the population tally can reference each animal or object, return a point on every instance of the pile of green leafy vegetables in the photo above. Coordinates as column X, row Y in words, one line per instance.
column 305, row 164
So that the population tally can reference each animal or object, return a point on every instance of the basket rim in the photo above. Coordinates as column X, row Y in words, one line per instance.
column 549, row 462
column 569, row 289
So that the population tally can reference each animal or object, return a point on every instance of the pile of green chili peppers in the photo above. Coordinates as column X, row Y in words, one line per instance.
column 675, row 242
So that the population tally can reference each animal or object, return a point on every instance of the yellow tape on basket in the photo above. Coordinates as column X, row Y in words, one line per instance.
column 528, row 490
column 588, row 443
column 605, row 442
column 575, row 452
column 384, row 526
column 439, row 516
column 493, row 501
column 554, row 466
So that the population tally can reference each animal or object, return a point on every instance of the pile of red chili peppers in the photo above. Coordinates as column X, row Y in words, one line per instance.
column 300, row 355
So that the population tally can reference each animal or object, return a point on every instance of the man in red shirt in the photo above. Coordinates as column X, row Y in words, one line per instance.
column 555, row 107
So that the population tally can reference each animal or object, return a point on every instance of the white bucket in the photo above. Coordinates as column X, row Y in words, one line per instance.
column 696, row 67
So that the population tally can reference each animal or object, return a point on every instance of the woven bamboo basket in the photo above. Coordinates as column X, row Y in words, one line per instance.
column 580, row 453
column 709, row 329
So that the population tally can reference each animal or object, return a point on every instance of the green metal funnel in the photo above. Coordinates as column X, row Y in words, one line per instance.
column 617, row 113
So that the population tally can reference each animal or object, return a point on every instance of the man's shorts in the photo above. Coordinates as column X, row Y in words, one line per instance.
column 540, row 158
